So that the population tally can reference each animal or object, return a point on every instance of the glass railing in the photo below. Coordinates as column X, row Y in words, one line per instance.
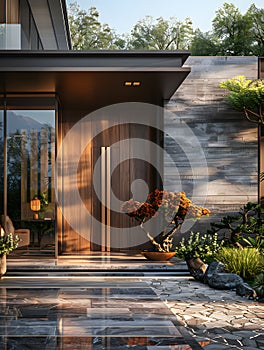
column 10, row 37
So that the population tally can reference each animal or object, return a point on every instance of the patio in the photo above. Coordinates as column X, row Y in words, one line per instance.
column 109, row 302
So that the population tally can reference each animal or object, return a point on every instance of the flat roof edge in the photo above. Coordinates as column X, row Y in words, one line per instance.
column 176, row 53
column 96, row 69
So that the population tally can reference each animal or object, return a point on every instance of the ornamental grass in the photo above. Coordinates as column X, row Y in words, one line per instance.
column 246, row 262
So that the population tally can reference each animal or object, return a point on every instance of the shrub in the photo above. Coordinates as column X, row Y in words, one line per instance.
column 258, row 285
column 8, row 243
column 204, row 247
column 257, row 242
column 246, row 262
column 248, row 221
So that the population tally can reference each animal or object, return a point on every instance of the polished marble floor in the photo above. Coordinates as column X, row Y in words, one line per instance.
column 81, row 313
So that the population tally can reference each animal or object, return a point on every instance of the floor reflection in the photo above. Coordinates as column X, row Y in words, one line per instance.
column 117, row 316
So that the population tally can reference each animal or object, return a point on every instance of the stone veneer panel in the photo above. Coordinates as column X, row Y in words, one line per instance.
column 228, row 141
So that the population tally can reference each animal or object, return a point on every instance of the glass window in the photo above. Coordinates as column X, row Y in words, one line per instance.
column 31, row 167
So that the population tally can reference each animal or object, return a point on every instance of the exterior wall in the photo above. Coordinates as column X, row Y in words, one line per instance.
column 34, row 25
column 228, row 141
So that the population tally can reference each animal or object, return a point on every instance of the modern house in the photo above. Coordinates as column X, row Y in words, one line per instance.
column 46, row 93
column 79, row 129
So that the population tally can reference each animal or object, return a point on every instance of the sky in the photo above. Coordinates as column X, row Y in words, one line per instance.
column 122, row 15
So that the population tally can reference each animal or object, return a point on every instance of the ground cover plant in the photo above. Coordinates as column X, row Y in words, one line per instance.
column 204, row 247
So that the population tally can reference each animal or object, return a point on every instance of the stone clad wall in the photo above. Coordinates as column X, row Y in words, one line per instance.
column 227, row 140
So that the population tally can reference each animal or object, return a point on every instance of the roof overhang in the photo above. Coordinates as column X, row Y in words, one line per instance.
column 89, row 80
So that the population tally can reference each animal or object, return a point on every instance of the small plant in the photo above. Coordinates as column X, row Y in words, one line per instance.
column 257, row 242
column 204, row 247
column 258, row 285
column 249, row 221
column 246, row 262
column 8, row 243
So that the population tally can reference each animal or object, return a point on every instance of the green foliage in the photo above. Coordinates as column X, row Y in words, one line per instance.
column 233, row 33
column 256, row 17
column 44, row 200
column 204, row 44
column 249, row 221
column 204, row 247
column 246, row 262
column 161, row 34
column 87, row 33
column 233, row 29
column 258, row 285
column 257, row 242
column 246, row 95
column 8, row 243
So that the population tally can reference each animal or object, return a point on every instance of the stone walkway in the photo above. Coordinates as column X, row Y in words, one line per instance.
column 217, row 319
column 107, row 303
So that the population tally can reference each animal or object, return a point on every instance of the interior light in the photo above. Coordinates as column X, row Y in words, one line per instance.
column 136, row 83
column 128, row 83
column 35, row 206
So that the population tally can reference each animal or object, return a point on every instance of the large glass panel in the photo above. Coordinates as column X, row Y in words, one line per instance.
column 10, row 36
column 31, row 169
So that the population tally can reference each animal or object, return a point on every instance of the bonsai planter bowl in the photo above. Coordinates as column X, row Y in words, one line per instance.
column 158, row 256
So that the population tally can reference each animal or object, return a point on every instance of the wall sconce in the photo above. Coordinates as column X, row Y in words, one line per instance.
column 35, row 206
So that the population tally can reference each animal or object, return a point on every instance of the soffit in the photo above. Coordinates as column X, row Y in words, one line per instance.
column 87, row 86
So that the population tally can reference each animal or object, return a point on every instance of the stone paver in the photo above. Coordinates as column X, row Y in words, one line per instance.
column 77, row 313
column 217, row 319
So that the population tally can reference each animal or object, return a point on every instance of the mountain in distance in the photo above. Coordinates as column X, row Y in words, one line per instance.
column 21, row 122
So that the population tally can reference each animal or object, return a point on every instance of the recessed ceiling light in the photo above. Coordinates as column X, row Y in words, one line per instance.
column 132, row 83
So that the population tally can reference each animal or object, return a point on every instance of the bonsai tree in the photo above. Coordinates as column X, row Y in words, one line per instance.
column 174, row 208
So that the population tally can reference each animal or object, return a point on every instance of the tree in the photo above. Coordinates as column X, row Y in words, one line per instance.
column 256, row 17
column 246, row 95
column 233, row 29
column 204, row 44
column 87, row 33
column 161, row 34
